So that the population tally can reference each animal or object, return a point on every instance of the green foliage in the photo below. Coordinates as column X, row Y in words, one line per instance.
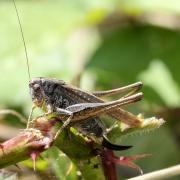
column 61, row 164
column 141, row 53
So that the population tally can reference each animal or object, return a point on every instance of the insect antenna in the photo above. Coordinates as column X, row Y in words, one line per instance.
column 23, row 39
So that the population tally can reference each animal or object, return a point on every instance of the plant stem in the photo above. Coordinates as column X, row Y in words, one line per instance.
column 160, row 174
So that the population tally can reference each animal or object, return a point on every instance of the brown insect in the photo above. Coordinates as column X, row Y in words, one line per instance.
column 82, row 109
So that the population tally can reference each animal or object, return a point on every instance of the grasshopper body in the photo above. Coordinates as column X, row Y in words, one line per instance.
column 78, row 108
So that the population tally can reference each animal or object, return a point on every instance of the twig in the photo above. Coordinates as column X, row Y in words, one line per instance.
column 15, row 113
column 161, row 174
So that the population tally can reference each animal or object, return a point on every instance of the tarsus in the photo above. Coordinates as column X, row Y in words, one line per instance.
column 23, row 39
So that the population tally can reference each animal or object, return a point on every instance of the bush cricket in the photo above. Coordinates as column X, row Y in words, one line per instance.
column 78, row 108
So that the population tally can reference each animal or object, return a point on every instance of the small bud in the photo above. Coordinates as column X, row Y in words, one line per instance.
column 151, row 123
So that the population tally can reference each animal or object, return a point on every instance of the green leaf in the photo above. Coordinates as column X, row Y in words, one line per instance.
column 126, row 55
column 61, row 164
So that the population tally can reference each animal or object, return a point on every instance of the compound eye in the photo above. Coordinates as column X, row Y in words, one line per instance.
column 36, row 86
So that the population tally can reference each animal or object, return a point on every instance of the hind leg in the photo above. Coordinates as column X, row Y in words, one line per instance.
column 133, row 88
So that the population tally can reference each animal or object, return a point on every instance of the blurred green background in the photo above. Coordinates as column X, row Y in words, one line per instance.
column 100, row 45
